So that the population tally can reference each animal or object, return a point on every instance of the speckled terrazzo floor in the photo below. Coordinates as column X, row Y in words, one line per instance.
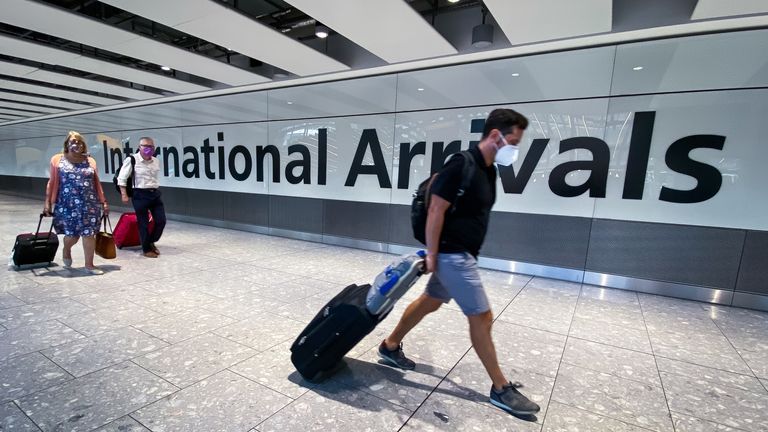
column 198, row 339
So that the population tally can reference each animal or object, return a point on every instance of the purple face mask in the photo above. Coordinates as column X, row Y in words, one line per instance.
column 147, row 151
column 76, row 146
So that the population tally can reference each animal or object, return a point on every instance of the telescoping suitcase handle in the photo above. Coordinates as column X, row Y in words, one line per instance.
column 39, row 222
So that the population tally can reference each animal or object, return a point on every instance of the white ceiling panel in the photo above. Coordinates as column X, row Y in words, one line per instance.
column 42, row 101
column 237, row 32
column 15, row 69
column 78, row 28
column 21, row 71
column 133, row 75
column 20, row 48
column 168, row 12
column 390, row 29
column 196, row 64
column 83, row 83
column 706, row 9
column 47, row 91
column 15, row 47
column 218, row 24
column 541, row 20
column 27, row 107
column 10, row 111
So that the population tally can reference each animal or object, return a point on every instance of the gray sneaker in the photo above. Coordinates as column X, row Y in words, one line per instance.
column 511, row 400
column 396, row 357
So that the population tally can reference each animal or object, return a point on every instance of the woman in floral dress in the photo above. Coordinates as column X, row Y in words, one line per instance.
column 75, row 194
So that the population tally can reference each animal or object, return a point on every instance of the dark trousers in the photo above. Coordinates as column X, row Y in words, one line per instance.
column 147, row 201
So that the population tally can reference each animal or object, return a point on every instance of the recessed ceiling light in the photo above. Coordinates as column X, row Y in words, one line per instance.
column 637, row 68
column 290, row 103
column 321, row 31
column 165, row 68
column 420, row 89
column 515, row 74
column 453, row 1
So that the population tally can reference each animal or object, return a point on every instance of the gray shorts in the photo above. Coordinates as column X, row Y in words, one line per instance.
column 457, row 278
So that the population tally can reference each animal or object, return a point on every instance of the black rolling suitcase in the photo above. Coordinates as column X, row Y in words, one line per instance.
column 35, row 248
column 349, row 317
column 338, row 327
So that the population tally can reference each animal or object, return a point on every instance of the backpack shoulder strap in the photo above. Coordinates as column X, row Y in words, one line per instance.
column 467, row 175
column 467, row 172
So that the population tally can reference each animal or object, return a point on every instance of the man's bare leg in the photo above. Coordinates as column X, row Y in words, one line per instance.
column 414, row 313
column 480, row 334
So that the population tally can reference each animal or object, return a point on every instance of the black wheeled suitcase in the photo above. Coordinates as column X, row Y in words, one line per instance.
column 349, row 317
column 35, row 248
column 335, row 330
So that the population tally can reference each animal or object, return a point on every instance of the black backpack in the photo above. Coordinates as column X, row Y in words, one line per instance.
column 420, row 203
column 131, row 179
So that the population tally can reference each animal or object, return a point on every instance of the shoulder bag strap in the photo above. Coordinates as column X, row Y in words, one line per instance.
column 105, row 220
column 133, row 170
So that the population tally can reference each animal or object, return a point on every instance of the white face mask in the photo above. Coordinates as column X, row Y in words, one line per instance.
column 507, row 154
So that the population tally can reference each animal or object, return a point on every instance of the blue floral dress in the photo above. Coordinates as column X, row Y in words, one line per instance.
column 77, row 211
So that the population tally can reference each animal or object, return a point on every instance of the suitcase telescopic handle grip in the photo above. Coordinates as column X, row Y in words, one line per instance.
column 39, row 222
column 421, row 265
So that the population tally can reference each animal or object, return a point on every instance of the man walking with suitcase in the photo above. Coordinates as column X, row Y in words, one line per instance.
column 146, row 194
column 453, row 240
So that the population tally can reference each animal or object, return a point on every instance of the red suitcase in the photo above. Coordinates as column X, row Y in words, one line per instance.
column 126, row 232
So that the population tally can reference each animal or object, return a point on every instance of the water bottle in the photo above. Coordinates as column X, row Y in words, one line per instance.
column 380, row 297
